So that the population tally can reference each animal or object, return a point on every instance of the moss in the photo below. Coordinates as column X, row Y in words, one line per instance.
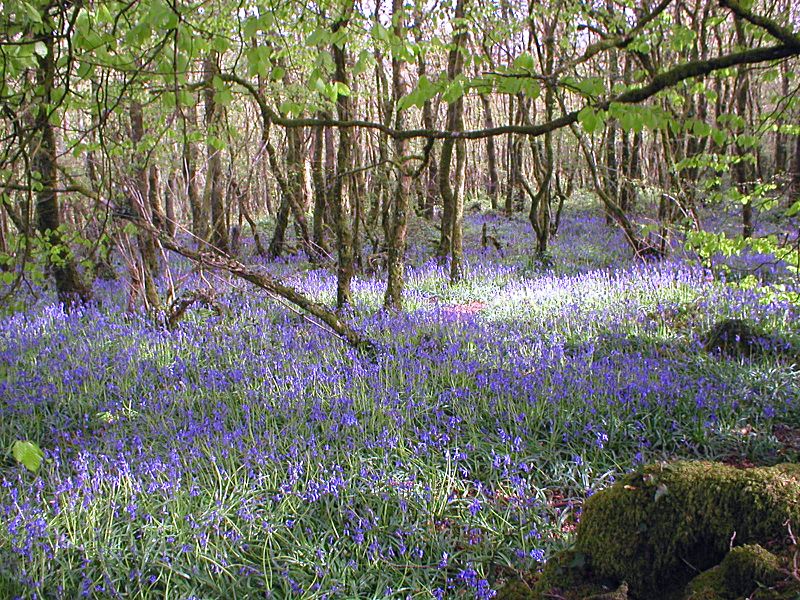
column 733, row 337
column 564, row 571
column 745, row 567
column 516, row 589
column 708, row 585
column 656, row 527
column 743, row 571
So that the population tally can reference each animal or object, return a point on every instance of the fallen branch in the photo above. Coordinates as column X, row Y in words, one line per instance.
column 272, row 285
column 179, row 307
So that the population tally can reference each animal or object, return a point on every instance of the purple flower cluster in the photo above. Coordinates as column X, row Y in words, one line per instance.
column 251, row 455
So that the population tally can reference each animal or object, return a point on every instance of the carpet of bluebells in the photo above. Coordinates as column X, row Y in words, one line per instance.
column 251, row 454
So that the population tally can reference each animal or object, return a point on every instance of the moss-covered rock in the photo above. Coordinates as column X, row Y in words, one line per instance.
column 733, row 337
column 708, row 585
column 743, row 569
column 566, row 576
column 657, row 527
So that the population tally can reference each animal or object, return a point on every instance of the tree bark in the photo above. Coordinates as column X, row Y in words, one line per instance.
column 492, row 183
column 214, row 196
column 344, row 234
column 200, row 225
column 70, row 288
column 139, row 204
column 397, row 240
column 742, row 169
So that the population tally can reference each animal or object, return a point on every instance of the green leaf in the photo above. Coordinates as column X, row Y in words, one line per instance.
column 380, row 33
column 524, row 62
column 30, row 13
column 291, row 109
column 746, row 141
column 454, row 91
column 590, row 119
column 277, row 73
column 719, row 136
column 220, row 44
column 40, row 49
column 318, row 37
column 250, row 27
column 531, row 88
column 794, row 209
column 701, row 128
column 28, row 454
column 216, row 143
column 591, row 86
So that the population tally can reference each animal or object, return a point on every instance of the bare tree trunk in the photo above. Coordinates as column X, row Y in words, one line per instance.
column 430, row 187
column 453, row 197
column 214, row 193
column 742, row 169
column 796, row 165
column 154, row 198
column 781, row 154
column 171, row 195
column 296, row 186
column 611, row 175
column 512, row 160
column 278, row 242
column 493, row 183
column 402, row 191
column 200, row 225
column 139, row 201
column 320, row 188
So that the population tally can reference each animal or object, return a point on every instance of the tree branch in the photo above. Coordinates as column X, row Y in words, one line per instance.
column 782, row 34
column 660, row 82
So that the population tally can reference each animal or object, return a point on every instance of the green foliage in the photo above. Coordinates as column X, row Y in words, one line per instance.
column 591, row 119
column 28, row 454
column 707, row 244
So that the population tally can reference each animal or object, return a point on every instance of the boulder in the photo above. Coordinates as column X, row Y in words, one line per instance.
column 656, row 528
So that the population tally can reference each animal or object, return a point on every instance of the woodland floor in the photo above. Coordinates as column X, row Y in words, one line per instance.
column 251, row 454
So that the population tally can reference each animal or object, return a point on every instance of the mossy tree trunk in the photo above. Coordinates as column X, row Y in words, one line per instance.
column 69, row 285
column 139, row 204
column 402, row 191
column 214, row 196
column 451, row 240
column 344, row 233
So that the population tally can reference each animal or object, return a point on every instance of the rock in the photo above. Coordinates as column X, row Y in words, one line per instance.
column 733, row 337
column 655, row 528
column 742, row 570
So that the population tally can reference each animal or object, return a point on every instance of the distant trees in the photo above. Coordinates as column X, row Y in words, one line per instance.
column 335, row 126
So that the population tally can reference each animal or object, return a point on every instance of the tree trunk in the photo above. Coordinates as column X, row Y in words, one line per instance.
column 451, row 241
column 742, row 169
column 493, row 183
column 402, row 191
column 200, row 226
column 430, row 187
column 511, row 160
column 344, row 234
column 69, row 286
column 139, row 203
column 214, row 196
column 320, row 188
column 171, row 195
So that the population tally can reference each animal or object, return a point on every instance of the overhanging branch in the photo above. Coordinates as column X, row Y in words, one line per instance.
column 660, row 82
